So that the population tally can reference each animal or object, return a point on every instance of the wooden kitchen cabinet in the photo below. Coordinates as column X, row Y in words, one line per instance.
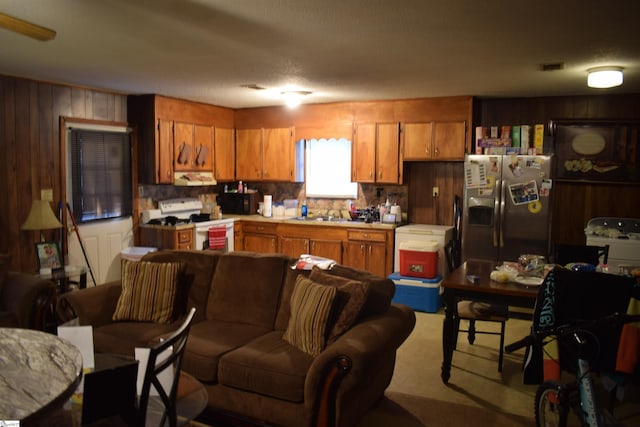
column 192, row 147
column 167, row 237
column 326, row 242
column 265, row 154
column 376, row 153
column 370, row 250
column 249, row 154
column 163, row 152
column 165, row 127
column 260, row 237
column 433, row 141
column 224, row 154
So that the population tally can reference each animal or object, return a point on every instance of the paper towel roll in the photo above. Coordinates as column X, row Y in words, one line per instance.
column 266, row 211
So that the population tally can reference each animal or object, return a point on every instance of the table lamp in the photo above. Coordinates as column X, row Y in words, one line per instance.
column 41, row 217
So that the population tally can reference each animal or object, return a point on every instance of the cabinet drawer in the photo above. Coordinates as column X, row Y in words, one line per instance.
column 261, row 228
column 185, row 236
column 375, row 236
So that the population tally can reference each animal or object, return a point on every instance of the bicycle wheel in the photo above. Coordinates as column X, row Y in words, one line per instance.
column 550, row 411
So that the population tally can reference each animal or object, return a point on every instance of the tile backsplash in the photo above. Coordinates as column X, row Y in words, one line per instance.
column 368, row 195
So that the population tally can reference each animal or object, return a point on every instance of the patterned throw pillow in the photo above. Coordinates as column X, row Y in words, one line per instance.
column 148, row 291
column 310, row 308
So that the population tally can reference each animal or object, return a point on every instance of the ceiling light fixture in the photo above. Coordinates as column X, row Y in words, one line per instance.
column 293, row 98
column 604, row 77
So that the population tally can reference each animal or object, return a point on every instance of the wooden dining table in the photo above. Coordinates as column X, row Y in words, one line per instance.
column 471, row 281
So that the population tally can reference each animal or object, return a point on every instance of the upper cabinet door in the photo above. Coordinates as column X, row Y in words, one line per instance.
column 203, row 148
column 277, row 149
column 416, row 141
column 388, row 153
column 183, row 146
column 449, row 140
column 164, row 152
column 363, row 153
column 225, row 154
column 249, row 154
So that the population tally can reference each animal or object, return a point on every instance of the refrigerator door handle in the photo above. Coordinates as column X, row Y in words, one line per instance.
column 496, row 217
column 502, row 203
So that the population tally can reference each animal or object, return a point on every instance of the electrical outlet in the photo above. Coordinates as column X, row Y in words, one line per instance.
column 436, row 191
column 46, row 194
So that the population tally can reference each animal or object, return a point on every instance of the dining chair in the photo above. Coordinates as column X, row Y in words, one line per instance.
column 564, row 254
column 473, row 311
column 165, row 356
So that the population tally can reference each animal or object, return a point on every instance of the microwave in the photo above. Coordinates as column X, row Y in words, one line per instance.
column 239, row 203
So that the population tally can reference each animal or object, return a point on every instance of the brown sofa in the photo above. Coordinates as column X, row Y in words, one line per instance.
column 236, row 346
column 25, row 298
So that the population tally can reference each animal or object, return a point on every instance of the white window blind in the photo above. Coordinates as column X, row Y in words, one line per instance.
column 101, row 177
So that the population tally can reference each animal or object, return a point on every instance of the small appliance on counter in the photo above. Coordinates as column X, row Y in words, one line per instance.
column 239, row 203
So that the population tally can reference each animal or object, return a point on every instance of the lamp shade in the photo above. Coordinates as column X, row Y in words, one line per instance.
column 41, row 217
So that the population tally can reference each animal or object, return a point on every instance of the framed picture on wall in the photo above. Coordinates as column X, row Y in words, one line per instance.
column 48, row 255
column 592, row 150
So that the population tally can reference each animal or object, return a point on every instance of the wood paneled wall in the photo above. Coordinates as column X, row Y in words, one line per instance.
column 30, row 113
column 574, row 202
column 30, row 155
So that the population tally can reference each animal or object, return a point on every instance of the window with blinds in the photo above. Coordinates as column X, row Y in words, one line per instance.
column 101, row 181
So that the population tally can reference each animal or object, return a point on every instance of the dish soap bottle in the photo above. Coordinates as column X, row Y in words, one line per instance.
column 303, row 209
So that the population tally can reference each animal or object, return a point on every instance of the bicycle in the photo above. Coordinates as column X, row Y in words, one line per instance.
column 554, row 399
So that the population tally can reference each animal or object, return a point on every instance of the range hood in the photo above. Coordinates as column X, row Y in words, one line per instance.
column 193, row 178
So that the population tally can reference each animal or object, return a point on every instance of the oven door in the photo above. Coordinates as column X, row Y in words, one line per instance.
column 201, row 232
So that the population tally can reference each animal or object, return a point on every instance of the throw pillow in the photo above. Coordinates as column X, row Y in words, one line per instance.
column 5, row 263
column 148, row 291
column 310, row 308
column 350, row 299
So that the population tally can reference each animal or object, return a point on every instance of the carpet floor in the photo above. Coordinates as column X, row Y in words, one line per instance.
column 477, row 393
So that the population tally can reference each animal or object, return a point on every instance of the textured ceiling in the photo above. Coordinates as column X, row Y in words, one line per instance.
column 341, row 50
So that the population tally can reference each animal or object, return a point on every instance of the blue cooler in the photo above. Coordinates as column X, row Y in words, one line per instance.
column 418, row 293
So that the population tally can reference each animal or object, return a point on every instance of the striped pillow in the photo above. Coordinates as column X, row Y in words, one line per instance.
column 148, row 291
column 310, row 308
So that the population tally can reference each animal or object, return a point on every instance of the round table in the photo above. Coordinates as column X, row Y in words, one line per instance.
column 38, row 373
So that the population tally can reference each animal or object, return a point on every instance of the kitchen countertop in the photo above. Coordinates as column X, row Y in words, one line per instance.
column 172, row 227
column 313, row 222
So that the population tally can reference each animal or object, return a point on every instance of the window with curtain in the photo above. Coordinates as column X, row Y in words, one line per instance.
column 328, row 169
column 101, row 177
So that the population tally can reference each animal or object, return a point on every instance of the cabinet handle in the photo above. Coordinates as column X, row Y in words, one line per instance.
column 306, row 246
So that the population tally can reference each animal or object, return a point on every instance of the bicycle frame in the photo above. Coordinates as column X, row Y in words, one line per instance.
column 585, row 385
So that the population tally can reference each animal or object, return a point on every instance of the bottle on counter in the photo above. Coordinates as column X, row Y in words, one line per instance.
column 226, row 188
column 240, row 187
column 303, row 210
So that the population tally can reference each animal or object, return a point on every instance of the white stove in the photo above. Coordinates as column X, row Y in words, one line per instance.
column 623, row 237
column 187, row 210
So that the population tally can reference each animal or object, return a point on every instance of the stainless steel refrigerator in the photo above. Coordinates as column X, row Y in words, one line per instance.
column 506, row 206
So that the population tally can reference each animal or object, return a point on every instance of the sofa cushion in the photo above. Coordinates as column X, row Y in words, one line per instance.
column 124, row 337
column 350, row 298
column 209, row 340
column 246, row 288
column 267, row 365
column 148, row 291
column 311, row 305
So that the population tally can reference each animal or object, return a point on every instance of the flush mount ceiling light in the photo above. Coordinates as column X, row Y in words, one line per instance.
column 604, row 77
column 293, row 98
